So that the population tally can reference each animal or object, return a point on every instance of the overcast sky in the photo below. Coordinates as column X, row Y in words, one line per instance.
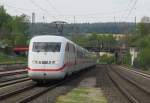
column 83, row 10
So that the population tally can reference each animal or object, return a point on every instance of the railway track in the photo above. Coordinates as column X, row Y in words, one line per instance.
column 40, row 92
column 8, row 93
column 10, row 67
column 135, row 69
column 6, row 83
column 111, row 91
column 12, row 72
column 9, row 77
column 145, row 75
column 133, row 90
column 29, row 92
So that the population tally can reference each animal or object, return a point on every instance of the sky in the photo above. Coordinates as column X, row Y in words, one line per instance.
column 79, row 11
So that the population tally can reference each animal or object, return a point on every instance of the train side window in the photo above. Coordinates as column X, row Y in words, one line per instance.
column 73, row 48
column 67, row 47
column 79, row 53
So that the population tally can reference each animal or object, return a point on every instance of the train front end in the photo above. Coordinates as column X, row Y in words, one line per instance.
column 45, row 59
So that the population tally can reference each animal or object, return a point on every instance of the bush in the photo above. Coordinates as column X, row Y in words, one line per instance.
column 144, row 58
column 127, row 59
column 107, row 59
column 3, row 56
column 8, row 59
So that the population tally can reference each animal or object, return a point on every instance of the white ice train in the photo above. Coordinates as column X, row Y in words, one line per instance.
column 54, row 57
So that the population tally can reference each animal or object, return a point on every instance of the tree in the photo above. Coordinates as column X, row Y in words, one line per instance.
column 20, row 40
column 144, row 58
column 19, row 30
column 145, row 19
column 81, row 40
column 143, row 29
column 13, row 29
column 142, row 41
column 5, row 20
column 19, row 24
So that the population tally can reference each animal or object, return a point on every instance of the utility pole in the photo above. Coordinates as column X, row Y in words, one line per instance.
column 74, row 18
column 115, row 24
column 44, row 19
column 135, row 23
column 33, row 18
column 74, row 27
column 32, row 21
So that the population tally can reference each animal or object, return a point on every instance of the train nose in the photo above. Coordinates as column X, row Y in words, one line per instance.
column 44, row 74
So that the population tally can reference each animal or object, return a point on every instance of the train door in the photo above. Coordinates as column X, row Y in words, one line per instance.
column 72, row 57
column 75, row 55
column 67, row 55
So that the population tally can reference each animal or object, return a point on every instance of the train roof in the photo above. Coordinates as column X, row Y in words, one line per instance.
column 53, row 38
column 47, row 38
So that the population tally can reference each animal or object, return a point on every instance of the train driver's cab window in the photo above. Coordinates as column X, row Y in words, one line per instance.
column 46, row 47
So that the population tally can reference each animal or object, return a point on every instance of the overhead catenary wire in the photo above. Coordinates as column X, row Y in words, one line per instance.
column 53, row 7
column 97, row 13
column 127, row 10
column 18, row 9
column 91, row 16
column 42, row 9
column 131, row 9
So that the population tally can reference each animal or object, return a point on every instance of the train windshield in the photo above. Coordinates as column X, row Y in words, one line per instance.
column 46, row 47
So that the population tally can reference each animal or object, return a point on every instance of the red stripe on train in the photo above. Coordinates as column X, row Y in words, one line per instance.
column 50, row 69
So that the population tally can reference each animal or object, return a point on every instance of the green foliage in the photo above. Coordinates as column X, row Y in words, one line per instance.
column 142, row 36
column 127, row 59
column 142, row 41
column 94, row 40
column 2, row 56
column 144, row 58
column 13, row 29
column 19, row 25
column 5, row 20
column 80, row 40
column 107, row 59
column 83, row 95
column 6, row 59
column 20, row 39
column 143, row 29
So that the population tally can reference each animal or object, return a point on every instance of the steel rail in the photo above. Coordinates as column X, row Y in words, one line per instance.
column 7, row 73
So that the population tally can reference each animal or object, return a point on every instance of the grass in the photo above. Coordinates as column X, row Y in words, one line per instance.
column 5, row 59
column 83, row 95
